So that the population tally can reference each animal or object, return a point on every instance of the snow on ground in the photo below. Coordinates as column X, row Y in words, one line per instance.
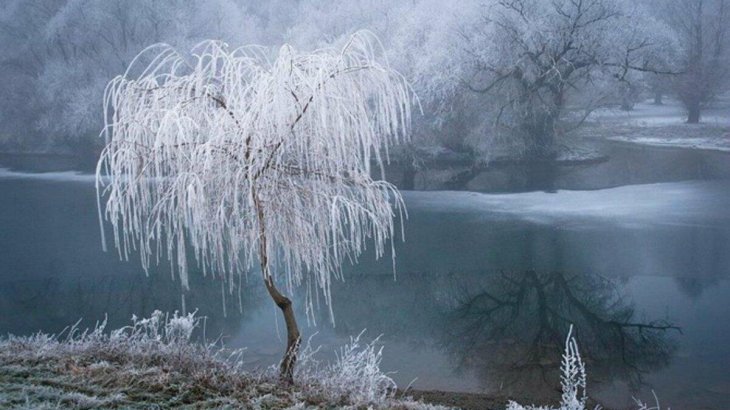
column 153, row 363
column 571, row 151
column 690, row 202
column 677, row 203
column 708, row 143
column 63, row 176
column 664, row 126
column 647, row 114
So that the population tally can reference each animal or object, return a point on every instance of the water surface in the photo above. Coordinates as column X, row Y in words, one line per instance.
column 485, row 290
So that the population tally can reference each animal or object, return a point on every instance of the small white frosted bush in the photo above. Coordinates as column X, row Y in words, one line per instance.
column 356, row 372
column 643, row 406
column 573, row 383
column 572, row 380
column 154, row 360
column 175, row 329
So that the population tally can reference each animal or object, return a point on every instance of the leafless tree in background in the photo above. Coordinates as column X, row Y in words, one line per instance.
column 530, row 54
column 703, row 29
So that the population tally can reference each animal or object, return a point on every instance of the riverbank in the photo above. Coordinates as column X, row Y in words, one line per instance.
column 649, row 144
column 153, row 363
column 32, row 381
column 460, row 400
column 39, row 372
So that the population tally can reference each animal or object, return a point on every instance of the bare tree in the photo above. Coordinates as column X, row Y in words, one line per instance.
column 529, row 55
column 236, row 160
column 703, row 30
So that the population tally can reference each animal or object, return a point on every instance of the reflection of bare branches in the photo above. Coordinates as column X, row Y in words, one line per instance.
column 512, row 329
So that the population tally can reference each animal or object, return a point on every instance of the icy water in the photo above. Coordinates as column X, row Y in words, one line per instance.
column 485, row 290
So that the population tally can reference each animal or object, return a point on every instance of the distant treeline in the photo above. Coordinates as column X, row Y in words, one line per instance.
column 492, row 75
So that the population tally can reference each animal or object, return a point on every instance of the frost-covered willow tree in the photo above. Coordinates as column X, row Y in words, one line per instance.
column 230, row 160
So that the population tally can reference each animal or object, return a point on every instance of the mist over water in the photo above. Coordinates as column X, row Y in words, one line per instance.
column 565, row 166
column 657, row 253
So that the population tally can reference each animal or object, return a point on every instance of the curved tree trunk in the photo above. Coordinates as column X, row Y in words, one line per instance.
column 286, row 369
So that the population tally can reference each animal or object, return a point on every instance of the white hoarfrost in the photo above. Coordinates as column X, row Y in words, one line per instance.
column 235, row 159
column 154, row 362
column 572, row 380
column 705, row 143
column 573, row 375
column 355, row 372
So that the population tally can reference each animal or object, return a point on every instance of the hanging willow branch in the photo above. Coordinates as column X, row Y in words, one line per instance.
column 206, row 151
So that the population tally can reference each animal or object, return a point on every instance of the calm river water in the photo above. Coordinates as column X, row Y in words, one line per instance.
column 486, row 288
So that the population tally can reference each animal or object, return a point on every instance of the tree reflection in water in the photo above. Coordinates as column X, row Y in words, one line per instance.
column 511, row 330
column 508, row 328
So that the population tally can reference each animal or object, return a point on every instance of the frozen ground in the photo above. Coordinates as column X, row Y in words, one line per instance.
column 720, row 143
column 677, row 203
column 687, row 202
column 61, row 176
column 153, row 364
column 663, row 126
column 647, row 114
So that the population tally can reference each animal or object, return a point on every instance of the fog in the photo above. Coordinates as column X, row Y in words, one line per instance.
column 496, row 78
column 474, row 180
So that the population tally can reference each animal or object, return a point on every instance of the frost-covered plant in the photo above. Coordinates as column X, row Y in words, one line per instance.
column 572, row 375
column 643, row 406
column 357, row 371
column 573, row 383
column 159, row 337
column 175, row 329
column 238, row 160
column 153, row 363
column 354, row 373
column 572, row 380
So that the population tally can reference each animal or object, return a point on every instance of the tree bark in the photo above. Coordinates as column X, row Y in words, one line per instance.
column 693, row 116
column 541, row 131
column 286, row 369
column 293, row 338
column 627, row 101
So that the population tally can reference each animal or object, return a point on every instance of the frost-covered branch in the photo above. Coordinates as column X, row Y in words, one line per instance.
column 192, row 137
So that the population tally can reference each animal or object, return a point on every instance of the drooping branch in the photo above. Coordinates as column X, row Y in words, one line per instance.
column 224, row 158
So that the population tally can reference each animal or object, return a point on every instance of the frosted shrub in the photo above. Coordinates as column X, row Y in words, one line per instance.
column 159, row 327
column 573, row 383
column 354, row 379
column 356, row 371
column 153, row 363
column 643, row 406
column 572, row 380
column 180, row 328
column 573, row 376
